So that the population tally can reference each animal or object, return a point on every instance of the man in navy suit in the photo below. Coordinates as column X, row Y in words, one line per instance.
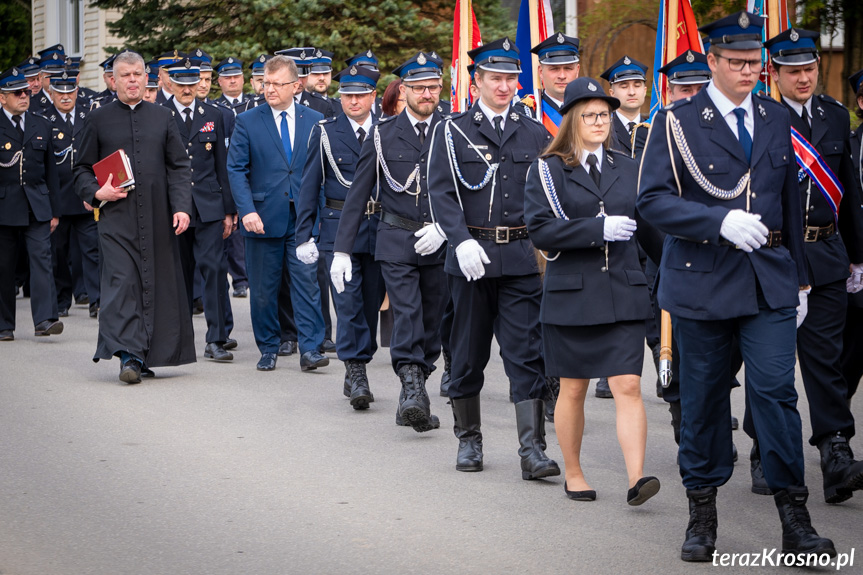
column 723, row 185
column 265, row 166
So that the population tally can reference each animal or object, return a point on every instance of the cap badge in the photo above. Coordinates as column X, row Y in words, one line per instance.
column 60, row 47
column 591, row 86
column 198, row 53
column 794, row 35
column 65, row 76
column 176, row 54
column 369, row 54
column 626, row 60
column 318, row 54
column 147, row 69
column 230, row 60
column 55, row 56
column 354, row 70
column 690, row 57
column 707, row 114
column 302, row 54
column 421, row 59
column 262, row 59
column 506, row 44
column 477, row 117
column 559, row 38
column 433, row 56
column 188, row 64
column 14, row 71
column 743, row 21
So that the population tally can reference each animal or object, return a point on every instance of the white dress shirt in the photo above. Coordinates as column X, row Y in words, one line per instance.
column 366, row 126
column 181, row 107
column 8, row 115
column 726, row 107
column 625, row 121
column 599, row 155
column 491, row 115
column 798, row 107
column 277, row 116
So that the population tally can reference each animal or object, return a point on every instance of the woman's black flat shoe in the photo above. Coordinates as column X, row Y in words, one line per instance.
column 644, row 489
column 586, row 495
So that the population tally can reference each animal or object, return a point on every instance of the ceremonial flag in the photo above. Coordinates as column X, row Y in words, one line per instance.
column 464, row 38
column 534, row 25
column 676, row 32
column 775, row 14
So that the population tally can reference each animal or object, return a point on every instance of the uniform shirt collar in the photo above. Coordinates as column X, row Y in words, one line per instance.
column 62, row 115
column 414, row 121
column 366, row 126
column 180, row 107
column 625, row 121
column 726, row 106
column 557, row 102
column 490, row 114
column 9, row 115
column 599, row 155
column 798, row 107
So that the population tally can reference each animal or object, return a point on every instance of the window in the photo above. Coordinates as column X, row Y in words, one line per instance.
column 71, row 24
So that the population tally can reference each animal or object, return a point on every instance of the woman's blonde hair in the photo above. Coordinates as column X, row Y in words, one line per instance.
column 567, row 144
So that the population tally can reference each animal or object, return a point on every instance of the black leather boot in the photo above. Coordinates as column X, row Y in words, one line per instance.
column 348, row 385
column 360, row 396
column 602, row 389
column 446, row 375
column 798, row 535
column 415, row 409
column 759, row 484
column 466, row 426
column 700, row 540
column 531, row 437
column 842, row 474
column 549, row 397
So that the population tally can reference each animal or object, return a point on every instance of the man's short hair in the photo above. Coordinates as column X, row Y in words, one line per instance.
column 277, row 63
column 129, row 57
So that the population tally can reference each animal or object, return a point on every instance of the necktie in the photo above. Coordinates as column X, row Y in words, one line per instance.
column 69, row 122
column 286, row 136
column 743, row 134
column 188, row 120
column 630, row 126
column 497, row 120
column 807, row 124
column 421, row 132
column 593, row 171
column 17, row 119
column 361, row 135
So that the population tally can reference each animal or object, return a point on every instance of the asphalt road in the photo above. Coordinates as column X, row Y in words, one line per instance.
column 215, row 469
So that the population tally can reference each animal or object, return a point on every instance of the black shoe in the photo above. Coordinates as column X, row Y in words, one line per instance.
column 759, row 484
column 586, row 495
column 217, row 352
column 287, row 348
column 435, row 422
column 360, row 394
column 82, row 300
column 267, row 362
column 700, row 542
column 467, row 429
column 328, row 346
column 313, row 360
column 530, row 421
column 550, row 393
column 415, row 407
column 94, row 310
column 230, row 344
column 842, row 474
column 733, row 452
column 49, row 327
column 241, row 291
column 602, row 389
column 7, row 335
column 130, row 371
column 197, row 306
column 798, row 535
column 347, row 388
column 734, row 423
column 63, row 312
column 644, row 489
column 446, row 376
column 147, row 372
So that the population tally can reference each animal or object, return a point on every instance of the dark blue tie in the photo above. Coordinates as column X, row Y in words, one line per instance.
column 743, row 134
column 286, row 136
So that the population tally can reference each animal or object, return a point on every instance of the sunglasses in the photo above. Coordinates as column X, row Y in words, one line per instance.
column 19, row 93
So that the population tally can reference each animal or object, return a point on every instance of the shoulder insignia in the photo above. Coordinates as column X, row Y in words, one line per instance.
column 830, row 100
column 477, row 117
column 514, row 116
column 707, row 114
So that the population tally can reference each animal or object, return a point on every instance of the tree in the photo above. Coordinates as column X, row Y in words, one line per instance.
column 15, row 33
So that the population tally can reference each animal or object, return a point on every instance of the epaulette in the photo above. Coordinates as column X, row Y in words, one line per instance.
column 765, row 98
column 384, row 120
column 328, row 120
column 830, row 100
column 678, row 103
column 456, row 115
column 613, row 151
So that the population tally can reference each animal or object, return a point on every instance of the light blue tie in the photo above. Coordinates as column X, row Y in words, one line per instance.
column 743, row 134
column 286, row 136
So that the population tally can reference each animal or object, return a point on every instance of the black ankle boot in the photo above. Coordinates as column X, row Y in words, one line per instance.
column 415, row 408
column 842, row 474
column 759, row 484
column 446, row 376
column 531, row 437
column 466, row 426
column 700, row 540
column 798, row 535
column 361, row 395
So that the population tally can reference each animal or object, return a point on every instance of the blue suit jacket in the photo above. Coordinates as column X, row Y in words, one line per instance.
column 262, row 180
column 699, row 278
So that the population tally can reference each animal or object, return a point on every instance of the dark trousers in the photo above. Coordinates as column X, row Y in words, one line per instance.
column 43, row 293
column 236, row 252
column 417, row 298
column 507, row 308
column 80, row 230
column 357, row 308
column 819, row 348
column 446, row 324
column 202, row 245
column 323, row 275
column 767, row 343
column 852, row 349
column 287, row 325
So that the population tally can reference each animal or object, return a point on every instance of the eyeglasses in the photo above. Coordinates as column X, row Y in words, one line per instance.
column 593, row 118
column 278, row 85
column 419, row 90
column 737, row 64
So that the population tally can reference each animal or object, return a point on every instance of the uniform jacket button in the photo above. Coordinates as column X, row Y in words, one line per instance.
column 689, row 264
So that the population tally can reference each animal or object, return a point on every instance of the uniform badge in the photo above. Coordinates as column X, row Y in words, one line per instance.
column 592, row 87
column 8, row 146
column 198, row 53
column 690, row 57
column 433, row 56
column 81, row 115
column 421, row 59
column 53, row 117
column 440, row 109
column 303, row 55
column 610, row 158
column 513, row 117
column 820, row 111
column 208, row 146
column 762, row 111
column 743, row 21
column 794, row 35
column 477, row 117
column 369, row 54
column 200, row 110
column 627, row 61
column 306, row 102
column 319, row 54
column 707, row 114
column 60, row 136
column 230, row 60
column 488, row 157
column 262, row 59
column 506, row 44
column 560, row 38
column 188, row 63
column 354, row 70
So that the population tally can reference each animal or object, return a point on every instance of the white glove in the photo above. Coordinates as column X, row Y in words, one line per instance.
column 340, row 271
column 307, row 252
column 744, row 230
column 470, row 257
column 618, row 228
column 803, row 307
column 430, row 239
column 855, row 282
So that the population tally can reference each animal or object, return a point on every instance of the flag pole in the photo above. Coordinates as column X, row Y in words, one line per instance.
column 533, row 6
column 672, row 33
column 465, row 29
column 774, row 27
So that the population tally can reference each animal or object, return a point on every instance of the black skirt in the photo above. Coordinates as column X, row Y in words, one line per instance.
column 592, row 351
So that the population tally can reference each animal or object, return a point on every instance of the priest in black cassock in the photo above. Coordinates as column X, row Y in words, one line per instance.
column 144, row 318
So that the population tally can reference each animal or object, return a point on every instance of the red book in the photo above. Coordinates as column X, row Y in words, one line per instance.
column 118, row 165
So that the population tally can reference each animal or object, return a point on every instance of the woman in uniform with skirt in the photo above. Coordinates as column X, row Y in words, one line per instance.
column 579, row 207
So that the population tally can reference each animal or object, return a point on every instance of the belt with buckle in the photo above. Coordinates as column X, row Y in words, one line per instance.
column 334, row 204
column 774, row 240
column 403, row 223
column 814, row 233
column 499, row 234
column 372, row 207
